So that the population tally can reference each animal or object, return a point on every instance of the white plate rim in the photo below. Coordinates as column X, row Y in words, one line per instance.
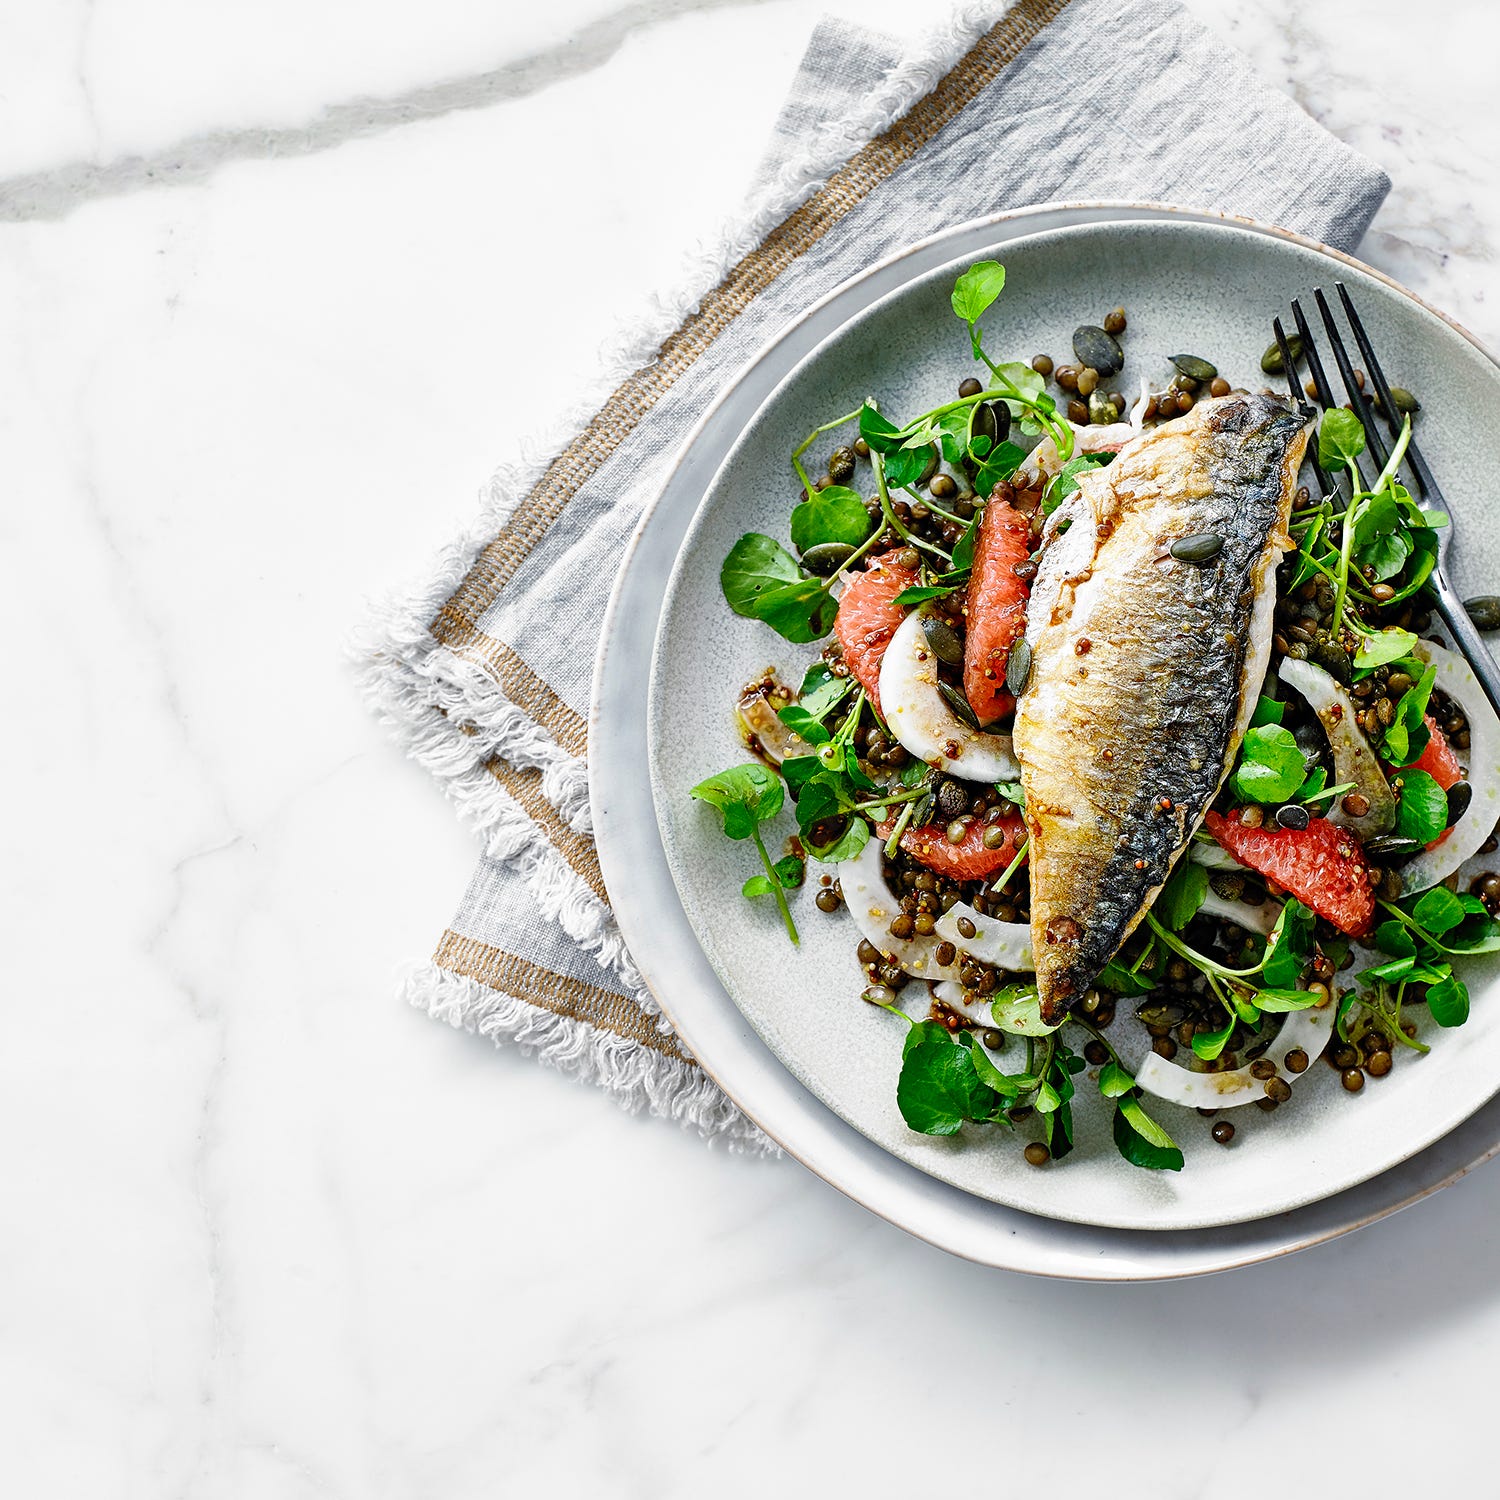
column 623, row 839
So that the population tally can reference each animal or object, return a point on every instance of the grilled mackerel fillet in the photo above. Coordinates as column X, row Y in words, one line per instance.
column 1145, row 669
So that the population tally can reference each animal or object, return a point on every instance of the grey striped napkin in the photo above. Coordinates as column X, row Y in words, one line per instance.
column 876, row 146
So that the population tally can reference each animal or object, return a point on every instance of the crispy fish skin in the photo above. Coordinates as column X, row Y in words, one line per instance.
column 1145, row 669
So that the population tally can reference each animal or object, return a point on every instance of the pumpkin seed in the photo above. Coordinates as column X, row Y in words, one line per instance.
column 944, row 640
column 1102, row 408
column 1159, row 1013
column 922, row 812
column 1200, row 547
column 1271, row 361
column 959, row 704
column 1405, row 401
column 1390, row 845
column 1484, row 611
column 824, row 558
column 1460, row 795
column 992, row 420
column 1098, row 350
column 1194, row 368
column 1293, row 816
column 1018, row 668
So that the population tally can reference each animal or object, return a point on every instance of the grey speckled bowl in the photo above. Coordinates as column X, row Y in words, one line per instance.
column 1209, row 289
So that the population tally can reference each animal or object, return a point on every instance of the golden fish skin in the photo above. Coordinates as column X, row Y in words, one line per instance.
column 1145, row 669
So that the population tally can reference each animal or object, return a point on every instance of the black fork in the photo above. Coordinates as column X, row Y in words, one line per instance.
column 1449, row 605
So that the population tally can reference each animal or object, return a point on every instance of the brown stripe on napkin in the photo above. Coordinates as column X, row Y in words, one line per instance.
column 508, row 974
column 524, row 787
column 456, row 622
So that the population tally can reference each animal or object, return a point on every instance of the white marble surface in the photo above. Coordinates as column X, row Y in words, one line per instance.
column 269, row 311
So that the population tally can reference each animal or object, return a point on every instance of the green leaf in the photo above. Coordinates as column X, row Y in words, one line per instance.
column 1121, row 981
column 1438, row 910
column 1182, row 895
column 1475, row 934
column 1065, row 481
column 790, row 872
column 1141, row 1141
column 1384, row 646
column 1047, row 1099
column 996, row 468
column 1424, row 551
column 906, row 466
column 1027, row 381
column 1393, row 937
column 1341, row 438
column 938, row 1088
column 1114, row 1081
column 757, row 885
column 1013, row 791
column 821, row 689
column 1209, row 1044
column 799, row 721
column 1397, row 968
column 1401, row 745
column 1008, row 1084
column 1018, row 1010
column 1278, row 1002
column 1290, row 946
column 1380, row 516
column 1448, row 1000
column 1315, row 785
column 881, row 435
column 801, row 612
column 1271, row 766
column 832, row 515
column 1386, row 554
column 953, row 432
column 745, row 795
column 1267, row 711
column 756, row 565
column 920, row 591
column 855, row 836
column 976, row 289
column 1422, row 812
column 963, row 548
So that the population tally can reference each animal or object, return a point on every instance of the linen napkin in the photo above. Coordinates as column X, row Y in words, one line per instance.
column 484, row 672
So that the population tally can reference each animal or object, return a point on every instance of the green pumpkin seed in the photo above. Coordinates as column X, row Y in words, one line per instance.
column 1460, row 795
column 1405, row 401
column 922, row 812
column 1194, row 368
column 1159, row 1013
column 944, row 640
column 959, row 704
column 824, row 558
column 991, row 420
column 1018, row 668
column 1271, row 361
column 1390, row 846
column 1200, row 547
column 1484, row 611
column 1098, row 350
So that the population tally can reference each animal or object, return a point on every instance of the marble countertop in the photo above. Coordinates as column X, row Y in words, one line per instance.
column 279, row 284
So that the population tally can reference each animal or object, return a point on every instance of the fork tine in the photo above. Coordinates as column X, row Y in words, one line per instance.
column 1426, row 484
column 1315, row 367
column 1357, row 397
column 1299, row 400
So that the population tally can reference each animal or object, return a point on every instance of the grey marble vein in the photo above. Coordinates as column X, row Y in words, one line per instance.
column 58, row 191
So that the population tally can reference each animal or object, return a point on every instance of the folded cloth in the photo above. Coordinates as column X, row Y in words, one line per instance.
column 485, row 672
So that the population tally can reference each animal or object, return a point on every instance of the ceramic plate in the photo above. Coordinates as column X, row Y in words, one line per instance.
column 1208, row 288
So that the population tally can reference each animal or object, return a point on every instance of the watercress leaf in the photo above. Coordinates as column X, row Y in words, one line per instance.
column 980, row 444
column 1472, row 903
column 790, row 872
column 757, row 885
column 882, row 435
column 963, row 548
column 1438, row 910
column 1341, row 437
column 1065, row 481
column 756, row 565
column 1315, row 785
column 918, row 1032
column 855, row 836
column 1271, row 765
column 1448, row 1000
column 1013, row 791
column 1018, row 1010
column 1209, row 1044
column 818, row 799
column 988, row 1074
column 1387, row 554
column 1114, row 1081
column 938, row 1088
column 1475, row 934
column 1419, row 567
column 1397, row 968
column 1422, row 814
column 1138, row 1148
column 1393, row 937
column 953, row 433
column 1027, row 381
column 832, row 515
column 1384, row 646
column 1058, row 1127
column 996, row 468
column 976, row 289
column 797, row 771
column 1047, row 1099
column 821, row 689
column 1118, row 979
column 1246, row 1009
column 920, row 591
column 801, row 612
column 906, row 466
column 1182, row 895
column 914, row 773
column 1277, row 1002
column 1380, row 516
column 1267, row 711
column 1290, row 945
column 800, row 722
column 744, row 795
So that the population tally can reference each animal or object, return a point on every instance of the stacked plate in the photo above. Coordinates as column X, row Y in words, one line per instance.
column 782, row 1031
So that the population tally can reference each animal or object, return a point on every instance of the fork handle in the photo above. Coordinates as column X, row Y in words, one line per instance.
column 1466, row 635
